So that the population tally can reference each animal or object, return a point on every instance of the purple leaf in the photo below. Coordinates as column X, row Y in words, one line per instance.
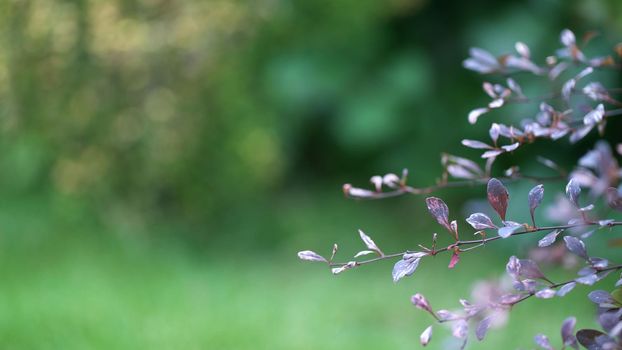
column 512, row 147
column 498, row 197
column 588, row 279
column 421, row 302
column 567, row 331
column 545, row 293
column 475, row 114
column 595, row 116
column 460, row 329
column 494, row 132
column 309, row 255
column 404, row 268
column 576, row 246
column 513, row 267
column 596, row 91
column 591, row 338
column 377, row 182
column 614, row 200
column 549, row 238
column 476, row 144
column 363, row 253
column 439, row 211
column 391, row 180
column 480, row 221
column 573, row 190
column 565, row 289
column 510, row 299
column 522, row 50
column 535, row 198
column 601, row 297
column 567, row 37
column 482, row 328
column 580, row 133
column 543, row 342
column 348, row 266
column 492, row 153
column 371, row 245
column 529, row 269
column 425, row 337
column 507, row 231
column 445, row 315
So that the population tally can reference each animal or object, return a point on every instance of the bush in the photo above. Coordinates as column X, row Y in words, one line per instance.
column 576, row 106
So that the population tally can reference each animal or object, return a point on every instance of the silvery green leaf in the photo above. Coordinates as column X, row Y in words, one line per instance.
column 309, row 255
column 425, row 337
column 480, row 221
column 549, row 238
column 565, row 289
column 371, row 245
column 404, row 268
column 576, row 246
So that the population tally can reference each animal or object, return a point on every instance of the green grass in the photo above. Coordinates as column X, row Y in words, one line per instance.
column 67, row 283
column 99, row 297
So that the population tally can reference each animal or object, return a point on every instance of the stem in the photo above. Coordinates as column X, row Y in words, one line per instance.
column 455, row 184
column 476, row 243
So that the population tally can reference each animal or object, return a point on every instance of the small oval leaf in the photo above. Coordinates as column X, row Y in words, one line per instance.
column 498, row 197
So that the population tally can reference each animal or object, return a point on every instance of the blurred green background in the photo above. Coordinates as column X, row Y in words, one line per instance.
column 162, row 162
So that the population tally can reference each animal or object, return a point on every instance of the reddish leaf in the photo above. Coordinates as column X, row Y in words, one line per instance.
column 498, row 197
column 439, row 211
column 455, row 258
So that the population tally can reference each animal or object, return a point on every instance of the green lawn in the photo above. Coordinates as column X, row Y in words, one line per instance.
column 99, row 297
column 93, row 289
